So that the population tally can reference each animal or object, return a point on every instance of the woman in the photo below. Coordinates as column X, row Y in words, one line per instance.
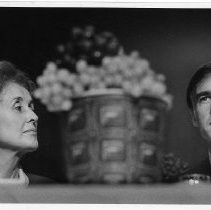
column 18, row 123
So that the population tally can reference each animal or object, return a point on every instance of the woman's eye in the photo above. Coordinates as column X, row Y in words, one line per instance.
column 19, row 108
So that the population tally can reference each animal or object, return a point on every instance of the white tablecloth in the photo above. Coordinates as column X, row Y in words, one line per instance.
column 179, row 193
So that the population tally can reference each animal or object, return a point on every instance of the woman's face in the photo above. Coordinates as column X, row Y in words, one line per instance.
column 18, row 122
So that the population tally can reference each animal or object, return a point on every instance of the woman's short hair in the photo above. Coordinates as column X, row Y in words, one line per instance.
column 9, row 73
column 199, row 75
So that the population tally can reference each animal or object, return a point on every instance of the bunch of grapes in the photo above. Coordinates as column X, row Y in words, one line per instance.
column 57, row 87
column 131, row 73
column 88, row 45
column 172, row 167
column 128, row 72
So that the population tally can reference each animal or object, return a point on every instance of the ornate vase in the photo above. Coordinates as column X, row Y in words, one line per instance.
column 110, row 137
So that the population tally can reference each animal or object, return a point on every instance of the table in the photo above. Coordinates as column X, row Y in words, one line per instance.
column 179, row 193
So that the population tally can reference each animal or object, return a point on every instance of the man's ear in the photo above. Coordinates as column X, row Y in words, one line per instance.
column 194, row 118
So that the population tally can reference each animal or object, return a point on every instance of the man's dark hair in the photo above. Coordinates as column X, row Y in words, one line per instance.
column 199, row 75
column 9, row 73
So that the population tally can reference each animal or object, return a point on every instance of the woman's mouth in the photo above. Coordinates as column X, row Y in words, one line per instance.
column 31, row 131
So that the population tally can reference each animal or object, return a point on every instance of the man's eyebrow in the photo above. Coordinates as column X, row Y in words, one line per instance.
column 203, row 93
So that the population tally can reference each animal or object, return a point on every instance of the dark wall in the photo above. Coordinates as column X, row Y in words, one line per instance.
column 175, row 41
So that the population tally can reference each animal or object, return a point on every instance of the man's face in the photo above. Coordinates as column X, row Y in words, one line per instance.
column 202, row 109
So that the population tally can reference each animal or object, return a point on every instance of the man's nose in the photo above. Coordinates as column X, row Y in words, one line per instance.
column 210, row 108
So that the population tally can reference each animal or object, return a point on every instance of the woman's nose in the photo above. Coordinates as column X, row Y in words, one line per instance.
column 32, row 116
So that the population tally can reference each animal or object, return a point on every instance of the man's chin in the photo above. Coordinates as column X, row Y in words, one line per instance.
column 207, row 137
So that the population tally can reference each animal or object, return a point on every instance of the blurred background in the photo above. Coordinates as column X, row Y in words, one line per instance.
column 175, row 42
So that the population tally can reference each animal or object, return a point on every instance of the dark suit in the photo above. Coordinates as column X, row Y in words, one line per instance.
column 202, row 168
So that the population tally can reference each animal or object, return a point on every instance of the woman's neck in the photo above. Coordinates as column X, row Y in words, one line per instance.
column 9, row 162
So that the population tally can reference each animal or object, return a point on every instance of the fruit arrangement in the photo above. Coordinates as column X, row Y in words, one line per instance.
column 86, row 44
column 173, row 167
column 101, row 65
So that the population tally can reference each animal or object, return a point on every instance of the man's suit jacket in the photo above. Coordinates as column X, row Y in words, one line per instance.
column 203, row 167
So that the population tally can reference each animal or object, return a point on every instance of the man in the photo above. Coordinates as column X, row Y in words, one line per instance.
column 199, row 103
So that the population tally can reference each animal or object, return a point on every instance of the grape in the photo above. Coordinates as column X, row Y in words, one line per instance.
column 61, row 48
column 76, row 31
column 108, row 80
column 101, row 85
column 112, row 69
column 102, row 73
column 46, row 91
column 139, row 72
column 94, row 79
column 67, row 93
column 85, row 46
column 158, row 88
column 70, row 80
column 84, row 79
column 51, row 66
column 91, row 70
column 136, row 90
column 66, row 105
column 37, row 93
column 143, row 63
column 168, row 99
column 112, row 46
column 40, row 80
column 56, row 99
column 81, row 66
column 48, row 72
column 62, row 75
column 51, row 108
column 128, row 73
column 100, row 41
column 67, row 58
column 147, row 82
column 89, row 31
column 45, row 100
column 161, row 77
column 97, row 54
column 135, row 54
column 127, row 86
column 51, row 78
column 118, row 79
column 106, row 61
column 77, row 89
column 56, row 88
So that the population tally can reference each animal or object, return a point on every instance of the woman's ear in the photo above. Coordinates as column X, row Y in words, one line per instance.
column 194, row 118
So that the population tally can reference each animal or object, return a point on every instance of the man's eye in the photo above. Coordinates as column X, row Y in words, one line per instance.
column 204, row 99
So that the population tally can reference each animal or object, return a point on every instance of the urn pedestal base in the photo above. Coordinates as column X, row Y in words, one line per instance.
column 112, row 138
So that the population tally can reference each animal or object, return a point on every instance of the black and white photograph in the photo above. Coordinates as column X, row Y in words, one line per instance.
column 105, row 105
